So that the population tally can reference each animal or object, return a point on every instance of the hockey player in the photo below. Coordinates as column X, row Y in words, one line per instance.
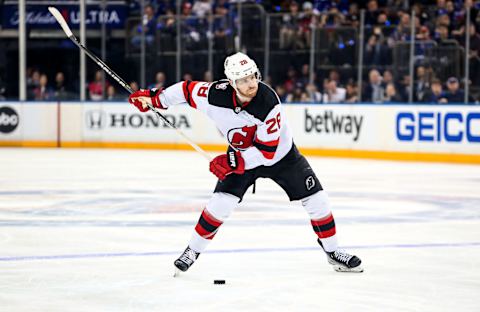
column 250, row 116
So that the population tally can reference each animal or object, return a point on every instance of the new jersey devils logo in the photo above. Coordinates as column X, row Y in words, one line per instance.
column 241, row 138
column 310, row 182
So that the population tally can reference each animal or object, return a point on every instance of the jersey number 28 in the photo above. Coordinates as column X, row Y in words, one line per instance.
column 273, row 124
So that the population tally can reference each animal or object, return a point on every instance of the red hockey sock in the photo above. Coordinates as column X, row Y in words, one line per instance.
column 324, row 227
column 207, row 225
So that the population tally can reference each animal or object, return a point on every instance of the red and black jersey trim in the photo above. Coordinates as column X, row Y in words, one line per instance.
column 188, row 86
column 207, row 225
column 324, row 227
column 267, row 149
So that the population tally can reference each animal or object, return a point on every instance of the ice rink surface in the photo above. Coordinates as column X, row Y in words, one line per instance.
column 98, row 230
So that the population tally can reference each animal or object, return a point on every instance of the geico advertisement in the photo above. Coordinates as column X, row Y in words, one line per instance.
column 450, row 125
column 118, row 122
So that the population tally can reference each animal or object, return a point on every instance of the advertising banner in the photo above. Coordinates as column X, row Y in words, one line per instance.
column 401, row 128
column 119, row 122
column 342, row 130
column 10, row 121
column 38, row 16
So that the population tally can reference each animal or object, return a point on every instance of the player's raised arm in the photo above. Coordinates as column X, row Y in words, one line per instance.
column 193, row 93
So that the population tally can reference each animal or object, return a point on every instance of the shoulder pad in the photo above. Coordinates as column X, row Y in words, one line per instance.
column 221, row 94
column 265, row 100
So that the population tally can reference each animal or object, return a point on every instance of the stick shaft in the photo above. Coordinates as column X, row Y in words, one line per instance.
column 122, row 82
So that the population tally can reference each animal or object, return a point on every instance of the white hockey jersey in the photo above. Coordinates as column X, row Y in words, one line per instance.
column 258, row 129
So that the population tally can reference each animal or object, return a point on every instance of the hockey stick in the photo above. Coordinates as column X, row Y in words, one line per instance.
column 58, row 16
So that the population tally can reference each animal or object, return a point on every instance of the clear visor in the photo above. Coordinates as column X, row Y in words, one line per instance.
column 247, row 80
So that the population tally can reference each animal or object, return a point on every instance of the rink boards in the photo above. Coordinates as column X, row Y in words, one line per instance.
column 404, row 132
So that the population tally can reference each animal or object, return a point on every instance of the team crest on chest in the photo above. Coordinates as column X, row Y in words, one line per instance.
column 241, row 138
column 238, row 109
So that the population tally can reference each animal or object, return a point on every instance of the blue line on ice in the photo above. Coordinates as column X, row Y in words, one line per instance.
column 239, row 250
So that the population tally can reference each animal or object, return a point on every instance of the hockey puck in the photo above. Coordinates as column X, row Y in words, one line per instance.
column 219, row 282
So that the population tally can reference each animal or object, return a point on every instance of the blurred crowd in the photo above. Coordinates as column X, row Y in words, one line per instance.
column 380, row 88
column 387, row 23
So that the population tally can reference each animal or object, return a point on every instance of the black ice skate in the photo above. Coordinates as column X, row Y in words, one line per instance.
column 185, row 261
column 342, row 261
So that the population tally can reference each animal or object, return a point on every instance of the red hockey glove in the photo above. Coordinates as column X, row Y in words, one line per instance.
column 141, row 97
column 225, row 164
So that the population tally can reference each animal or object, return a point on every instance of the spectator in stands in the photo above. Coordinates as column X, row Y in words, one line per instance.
column 149, row 27
column 333, row 94
column 160, row 81
column 454, row 93
column 389, row 78
column 391, row 94
column 168, row 30
column 452, row 12
column 95, row 88
column 351, row 92
column 112, row 94
column 474, row 53
column 304, row 36
column 334, row 75
column 372, row 13
column 382, row 20
column 202, row 8
column 421, row 84
column 435, row 94
column 441, row 35
column 404, row 87
column 33, row 82
column 375, row 89
column 304, row 78
column 208, row 76
column 296, row 96
column 444, row 20
column 376, row 51
column 187, row 76
column 352, row 18
column 43, row 92
column 290, row 27
column 60, row 91
column 402, row 31
column 193, row 28
column 282, row 93
column 134, row 86
column 312, row 94
column 421, row 13
column 332, row 19
column 289, row 84
column 440, row 8
column 221, row 27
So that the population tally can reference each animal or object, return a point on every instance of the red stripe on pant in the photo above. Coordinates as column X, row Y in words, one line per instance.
column 207, row 225
column 324, row 227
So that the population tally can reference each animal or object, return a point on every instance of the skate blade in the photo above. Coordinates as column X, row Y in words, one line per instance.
column 176, row 273
column 340, row 268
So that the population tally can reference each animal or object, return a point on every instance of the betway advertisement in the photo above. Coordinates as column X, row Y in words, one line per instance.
column 335, row 126
column 444, row 129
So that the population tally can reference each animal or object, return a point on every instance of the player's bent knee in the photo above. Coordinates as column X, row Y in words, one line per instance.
column 221, row 205
column 317, row 205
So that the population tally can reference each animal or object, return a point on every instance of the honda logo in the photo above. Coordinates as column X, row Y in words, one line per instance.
column 95, row 119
